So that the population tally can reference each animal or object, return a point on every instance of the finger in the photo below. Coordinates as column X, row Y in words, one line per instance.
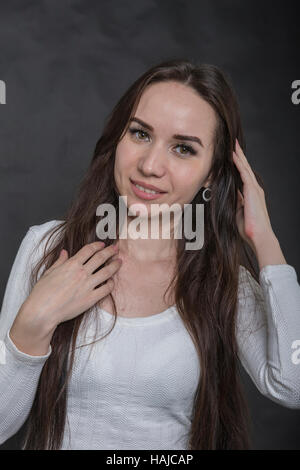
column 100, row 292
column 105, row 273
column 245, row 175
column 241, row 201
column 244, row 160
column 100, row 258
column 241, row 197
column 63, row 256
column 87, row 251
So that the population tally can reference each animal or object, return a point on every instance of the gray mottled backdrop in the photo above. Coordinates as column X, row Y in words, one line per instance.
column 66, row 63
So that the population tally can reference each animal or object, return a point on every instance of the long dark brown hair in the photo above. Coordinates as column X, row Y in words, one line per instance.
column 206, row 280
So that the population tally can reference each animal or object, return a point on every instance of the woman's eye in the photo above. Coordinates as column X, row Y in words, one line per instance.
column 134, row 131
column 188, row 148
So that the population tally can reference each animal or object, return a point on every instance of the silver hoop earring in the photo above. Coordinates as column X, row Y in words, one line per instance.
column 203, row 194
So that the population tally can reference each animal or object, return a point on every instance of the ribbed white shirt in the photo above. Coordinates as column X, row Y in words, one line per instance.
column 134, row 389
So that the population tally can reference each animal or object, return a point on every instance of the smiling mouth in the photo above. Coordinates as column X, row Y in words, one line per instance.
column 146, row 190
column 144, row 194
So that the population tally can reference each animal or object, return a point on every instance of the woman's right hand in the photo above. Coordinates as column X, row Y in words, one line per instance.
column 68, row 287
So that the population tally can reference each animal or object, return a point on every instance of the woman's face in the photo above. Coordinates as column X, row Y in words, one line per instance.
column 154, row 156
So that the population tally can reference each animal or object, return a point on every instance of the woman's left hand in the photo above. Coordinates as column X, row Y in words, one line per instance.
column 252, row 217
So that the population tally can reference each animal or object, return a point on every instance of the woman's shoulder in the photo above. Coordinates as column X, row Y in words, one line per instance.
column 38, row 236
column 41, row 229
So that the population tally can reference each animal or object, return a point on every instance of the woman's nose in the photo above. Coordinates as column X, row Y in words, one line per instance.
column 152, row 162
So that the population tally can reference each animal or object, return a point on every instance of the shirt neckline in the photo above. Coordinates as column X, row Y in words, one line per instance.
column 166, row 314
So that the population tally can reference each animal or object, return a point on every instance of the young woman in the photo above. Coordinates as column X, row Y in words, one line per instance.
column 163, row 373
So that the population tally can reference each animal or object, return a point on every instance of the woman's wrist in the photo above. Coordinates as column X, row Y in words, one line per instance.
column 30, row 333
column 268, row 251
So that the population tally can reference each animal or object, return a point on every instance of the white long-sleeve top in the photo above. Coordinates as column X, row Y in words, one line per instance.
column 134, row 389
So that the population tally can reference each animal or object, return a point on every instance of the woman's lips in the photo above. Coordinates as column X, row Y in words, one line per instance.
column 146, row 196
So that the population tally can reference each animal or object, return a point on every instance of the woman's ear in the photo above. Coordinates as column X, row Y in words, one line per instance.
column 207, row 183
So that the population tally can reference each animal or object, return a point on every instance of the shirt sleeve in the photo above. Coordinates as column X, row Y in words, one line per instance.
column 19, row 372
column 268, row 332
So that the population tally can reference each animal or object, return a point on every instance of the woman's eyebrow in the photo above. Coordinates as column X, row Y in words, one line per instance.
column 175, row 136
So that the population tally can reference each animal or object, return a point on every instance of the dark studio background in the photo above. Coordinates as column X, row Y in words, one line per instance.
column 66, row 63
